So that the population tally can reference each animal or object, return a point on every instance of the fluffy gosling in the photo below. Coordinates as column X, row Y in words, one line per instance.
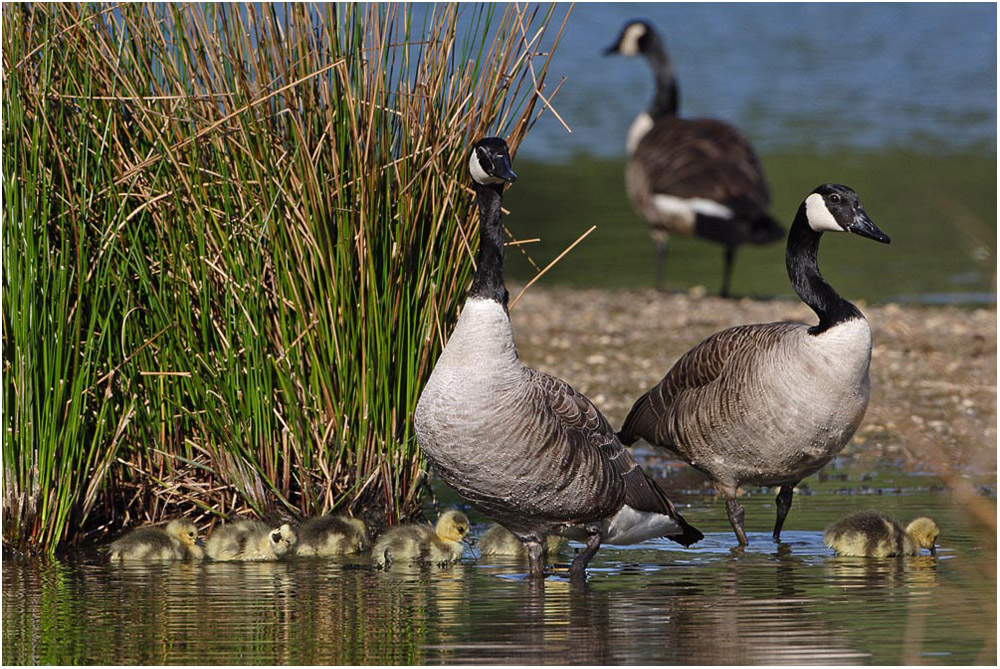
column 326, row 536
column 874, row 534
column 178, row 540
column 442, row 545
column 498, row 541
column 250, row 541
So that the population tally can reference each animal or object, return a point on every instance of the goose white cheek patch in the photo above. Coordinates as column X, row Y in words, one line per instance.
column 629, row 45
column 819, row 217
column 479, row 174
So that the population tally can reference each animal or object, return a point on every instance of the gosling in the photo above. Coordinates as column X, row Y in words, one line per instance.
column 177, row 541
column 874, row 534
column 442, row 545
column 250, row 541
column 326, row 536
column 498, row 541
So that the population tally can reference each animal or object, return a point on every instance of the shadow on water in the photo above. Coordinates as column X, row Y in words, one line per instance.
column 790, row 603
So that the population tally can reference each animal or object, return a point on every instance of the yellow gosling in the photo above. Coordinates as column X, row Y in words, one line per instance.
column 442, row 545
column 498, row 541
column 250, row 541
column 874, row 534
column 326, row 536
column 178, row 540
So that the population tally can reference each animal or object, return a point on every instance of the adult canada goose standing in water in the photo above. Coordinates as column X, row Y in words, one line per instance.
column 524, row 447
column 770, row 404
column 689, row 177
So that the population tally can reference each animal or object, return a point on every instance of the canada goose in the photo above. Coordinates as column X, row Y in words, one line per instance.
column 250, row 541
column 524, row 447
column 874, row 534
column 176, row 541
column 326, row 536
column 689, row 177
column 441, row 545
column 770, row 404
column 499, row 541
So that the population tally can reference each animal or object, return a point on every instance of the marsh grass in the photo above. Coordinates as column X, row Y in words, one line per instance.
column 234, row 239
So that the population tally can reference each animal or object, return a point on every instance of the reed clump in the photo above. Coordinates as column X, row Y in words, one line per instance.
column 234, row 237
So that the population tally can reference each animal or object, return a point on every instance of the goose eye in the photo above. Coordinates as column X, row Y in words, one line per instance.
column 834, row 197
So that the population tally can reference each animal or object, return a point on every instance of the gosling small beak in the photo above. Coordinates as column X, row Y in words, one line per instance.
column 862, row 225
column 199, row 542
column 933, row 549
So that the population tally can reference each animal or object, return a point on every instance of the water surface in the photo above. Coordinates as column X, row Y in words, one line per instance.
column 793, row 603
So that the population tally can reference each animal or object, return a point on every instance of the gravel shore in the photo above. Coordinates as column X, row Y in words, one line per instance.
column 933, row 371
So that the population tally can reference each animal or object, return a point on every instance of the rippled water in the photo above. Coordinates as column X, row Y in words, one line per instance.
column 655, row 603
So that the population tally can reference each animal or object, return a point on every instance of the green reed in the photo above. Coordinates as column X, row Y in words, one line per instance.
column 234, row 239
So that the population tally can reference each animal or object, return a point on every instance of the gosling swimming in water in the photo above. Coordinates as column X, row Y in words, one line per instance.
column 326, row 536
column 874, row 534
column 250, row 541
column 178, row 540
column 441, row 545
column 499, row 541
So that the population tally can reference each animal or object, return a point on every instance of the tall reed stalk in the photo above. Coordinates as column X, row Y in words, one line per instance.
column 234, row 239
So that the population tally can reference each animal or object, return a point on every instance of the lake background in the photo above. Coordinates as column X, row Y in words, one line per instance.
column 896, row 100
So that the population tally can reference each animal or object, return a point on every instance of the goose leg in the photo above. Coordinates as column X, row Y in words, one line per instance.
column 727, row 270
column 536, row 561
column 660, row 240
column 784, row 503
column 578, row 568
column 735, row 512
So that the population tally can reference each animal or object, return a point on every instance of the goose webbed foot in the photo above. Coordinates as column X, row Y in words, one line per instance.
column 784, row 504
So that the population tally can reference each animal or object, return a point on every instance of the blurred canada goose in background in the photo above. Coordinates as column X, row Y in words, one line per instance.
column 178, row 540
column 326, row 536
column 499, row 541
column 691, row 177
column 441, row 545
column 770, row 404
column 874, row 534
column 523, row 447
column 249, row 541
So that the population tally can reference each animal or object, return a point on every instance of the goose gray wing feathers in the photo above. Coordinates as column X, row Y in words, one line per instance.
column 656, row 415
column 589, row 435
column 702, row 158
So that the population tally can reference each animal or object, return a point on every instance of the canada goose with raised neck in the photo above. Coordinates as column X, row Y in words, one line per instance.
column 326, row 536
column 524, row 447
column 770, row 404
column 250, row 541
column 178, row 540
column 875, row 534
column 444, row 544
column 691, row 177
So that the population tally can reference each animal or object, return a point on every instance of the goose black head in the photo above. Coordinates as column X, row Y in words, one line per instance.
column 633, row 40
column 489, row 163
column 836, row 208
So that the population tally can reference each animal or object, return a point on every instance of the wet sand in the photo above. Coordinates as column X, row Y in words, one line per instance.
column 933, row 371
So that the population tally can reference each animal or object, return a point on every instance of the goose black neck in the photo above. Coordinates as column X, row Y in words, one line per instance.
column 803, row 271
column 667, row 98
column 488, row 281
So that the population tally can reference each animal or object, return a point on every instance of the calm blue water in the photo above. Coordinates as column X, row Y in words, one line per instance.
column 792, row 76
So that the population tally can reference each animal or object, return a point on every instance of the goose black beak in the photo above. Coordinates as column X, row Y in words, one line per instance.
column 863, row 225
column 611, row 50
column 503, row 170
